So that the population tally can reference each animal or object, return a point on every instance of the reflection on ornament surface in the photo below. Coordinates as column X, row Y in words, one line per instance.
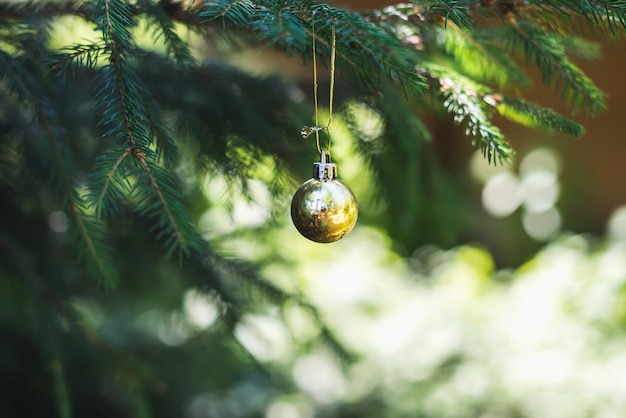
column 324, row 209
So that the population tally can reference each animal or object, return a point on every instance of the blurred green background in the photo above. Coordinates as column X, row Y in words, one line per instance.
column 512, row 304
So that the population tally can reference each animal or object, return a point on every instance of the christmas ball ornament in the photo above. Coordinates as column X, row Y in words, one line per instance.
column 324, row 209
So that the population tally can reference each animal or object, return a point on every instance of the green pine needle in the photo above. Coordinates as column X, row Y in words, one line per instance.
column 549, row 55
column 92, row 246
column 364, row 51
column 478, row 56
column 157, row 196
column 468, row 101
column 531, row 115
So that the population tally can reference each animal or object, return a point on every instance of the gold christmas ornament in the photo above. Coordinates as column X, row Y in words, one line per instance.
column 324, row 209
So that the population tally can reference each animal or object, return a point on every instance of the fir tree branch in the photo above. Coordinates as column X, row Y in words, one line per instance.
column 457, row 12
column 174, row 226
column 369, row 47
column 437, row 13
column 529, row 114
column 165, row 147
column 466, row 101
column 164, row 28
column 98, row 254
column 25, row 10
column 108, row 179
column 365, row 51
column 581, row 48
column 103, row 265
column 595, row 11
column 18, row 77
column 549, row 55
column 124, row 112
column 30, row 91
column 78, row 57
column 475, row 52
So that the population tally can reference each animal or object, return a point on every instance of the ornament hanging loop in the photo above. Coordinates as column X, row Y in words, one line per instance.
column 308, row 130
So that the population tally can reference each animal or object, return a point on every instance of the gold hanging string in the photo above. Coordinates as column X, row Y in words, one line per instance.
column 317, row 124
column 306, row 131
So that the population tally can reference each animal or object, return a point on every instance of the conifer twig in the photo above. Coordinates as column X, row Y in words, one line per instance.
column 125, row 112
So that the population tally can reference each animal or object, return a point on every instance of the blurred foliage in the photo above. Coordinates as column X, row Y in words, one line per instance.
column 147, row 264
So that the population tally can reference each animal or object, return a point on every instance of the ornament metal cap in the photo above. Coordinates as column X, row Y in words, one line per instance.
column 324, row 169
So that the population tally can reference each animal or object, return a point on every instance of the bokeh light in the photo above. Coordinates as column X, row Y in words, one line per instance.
column 616, row 227
column 535, row 188
column 57, row 221
column 542, row 225
column 501, row 195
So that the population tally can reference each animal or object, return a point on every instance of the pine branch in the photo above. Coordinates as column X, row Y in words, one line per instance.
column 365, row 51
column 466, row 101
column 164, row 28
column 157, row 196
column 91, row 246
column 479, row 57
column 436, row 13
column 549, row 56
column 449, row 10
column 75, row 58
column 581, row 48
column 227, row 119
column 18, row 77
column 109, row 190
column 367, row 48
column 535, row 116
column 596, row 12
column 134, row 129
column 165, row 146
column 91, row 233
column 23, row 82
column 35, row 9
column 94, row 250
